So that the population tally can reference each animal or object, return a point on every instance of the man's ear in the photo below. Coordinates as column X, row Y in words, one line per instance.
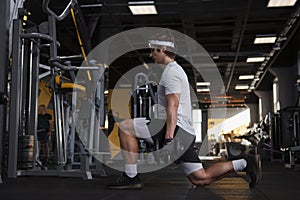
column 164, row 49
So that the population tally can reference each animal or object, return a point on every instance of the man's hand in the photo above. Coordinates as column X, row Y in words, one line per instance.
column 168, row 141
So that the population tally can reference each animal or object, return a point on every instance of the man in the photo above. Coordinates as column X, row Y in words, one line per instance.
column 44, row 129
column 174, row 97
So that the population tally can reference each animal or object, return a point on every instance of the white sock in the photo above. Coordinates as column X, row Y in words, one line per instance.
column 239, row 165
column 131, row 170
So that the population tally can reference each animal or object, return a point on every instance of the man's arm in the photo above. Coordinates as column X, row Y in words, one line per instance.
column 172, row 112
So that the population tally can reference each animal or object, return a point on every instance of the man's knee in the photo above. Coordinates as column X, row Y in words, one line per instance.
column 200, row 178
column 201, row 182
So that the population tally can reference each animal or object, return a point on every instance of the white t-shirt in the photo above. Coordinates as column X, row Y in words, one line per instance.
column 174, row 80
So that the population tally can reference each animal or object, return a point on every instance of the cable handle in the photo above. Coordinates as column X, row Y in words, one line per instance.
column 60, row 17
column 41, row 36
column 55, row 62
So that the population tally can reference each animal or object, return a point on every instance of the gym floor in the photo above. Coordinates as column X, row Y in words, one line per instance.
column 169, row 183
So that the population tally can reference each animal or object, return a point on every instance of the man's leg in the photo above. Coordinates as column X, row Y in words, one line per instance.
column 213, row 173
column 192, row 166
column 39, row 149
column 46, row 149
column 219, row 170
column 128, row 141
column 129, row 146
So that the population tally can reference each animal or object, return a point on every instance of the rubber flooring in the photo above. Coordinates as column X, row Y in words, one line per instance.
column 169, row 183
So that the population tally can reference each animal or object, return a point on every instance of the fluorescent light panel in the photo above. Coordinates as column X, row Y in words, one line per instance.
column 142, row 8
column 246, row 77
column 281, row 3
column 264, row 40
column 203, row 83
column 255, row 59
column 241, row 87
column 91, row 5
column 203, row 90
column 140, row 2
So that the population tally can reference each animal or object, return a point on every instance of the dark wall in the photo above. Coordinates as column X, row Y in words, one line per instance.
column 253, row 113
column 267, row 101
column 287, row 88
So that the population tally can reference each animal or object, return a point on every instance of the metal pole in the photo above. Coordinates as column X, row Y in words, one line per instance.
column 34, row 77
column 63, row 124
column 101, row 96
column 15, row 96
column 4, row 18
column 24, row 84
column 56, row 99
column 73, row 128
column 99, row 115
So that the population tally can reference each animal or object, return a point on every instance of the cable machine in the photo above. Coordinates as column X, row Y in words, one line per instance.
column 23, row 111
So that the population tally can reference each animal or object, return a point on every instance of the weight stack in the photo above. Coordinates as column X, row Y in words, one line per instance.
column 25, row 151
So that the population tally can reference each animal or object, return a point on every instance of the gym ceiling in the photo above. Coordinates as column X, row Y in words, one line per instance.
column 226, row 29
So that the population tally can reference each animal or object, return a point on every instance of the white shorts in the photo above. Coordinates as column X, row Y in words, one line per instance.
column 141, row 129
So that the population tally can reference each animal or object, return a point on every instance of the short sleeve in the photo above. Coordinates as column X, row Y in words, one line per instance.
column 173, row 82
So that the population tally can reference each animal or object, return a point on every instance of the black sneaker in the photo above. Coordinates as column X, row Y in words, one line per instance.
column 125, row 182
column 253, row 169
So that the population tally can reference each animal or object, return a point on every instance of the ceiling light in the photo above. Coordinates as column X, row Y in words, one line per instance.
column 223, row 97
column 259, row 72
column 280, row 39
column 203, row 90
column 203, row 83
column 91, row 5
column 215, row 57
column 281, row 3
column 237, row 101
column 241, row 87
column 264, row 40
column 246, row 77
column 255, row 59
column 142, row 7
